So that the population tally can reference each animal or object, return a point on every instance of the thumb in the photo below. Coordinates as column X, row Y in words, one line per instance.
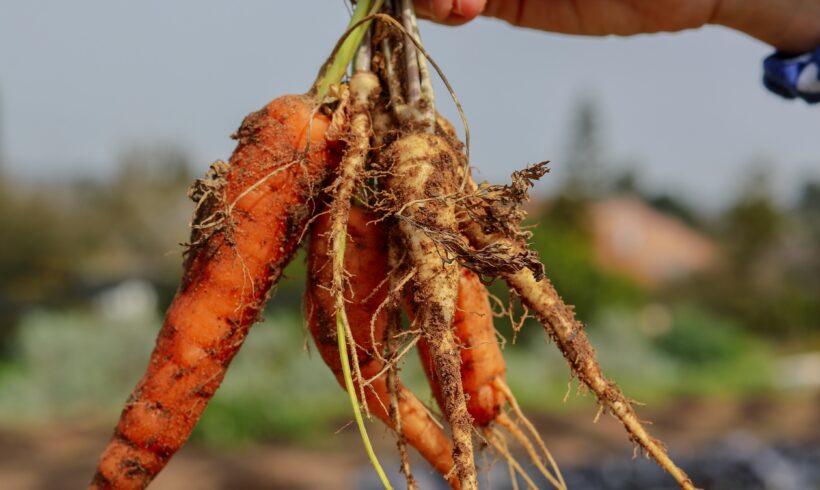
column 450, row 11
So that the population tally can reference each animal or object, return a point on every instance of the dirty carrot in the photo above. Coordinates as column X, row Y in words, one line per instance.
column 363, row 87
column 248, row 221
column 558, row 319
column 423, row 170
column 366, row 267
column 483, row 372
column 482, row 362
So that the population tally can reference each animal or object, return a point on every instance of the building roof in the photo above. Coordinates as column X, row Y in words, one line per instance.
column 649, row 246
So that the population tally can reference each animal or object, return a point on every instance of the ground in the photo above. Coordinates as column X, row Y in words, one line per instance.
column 64, row 456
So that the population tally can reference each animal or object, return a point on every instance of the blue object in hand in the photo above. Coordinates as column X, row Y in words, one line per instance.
column 793, row 76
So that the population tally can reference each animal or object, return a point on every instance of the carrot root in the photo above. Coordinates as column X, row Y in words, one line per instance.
column 483, row 373
column 366, row 265
column 391, row 351
column 364, row 86
column 501, row 385
column 560, row 323
column 247, row 226
column 423, row 169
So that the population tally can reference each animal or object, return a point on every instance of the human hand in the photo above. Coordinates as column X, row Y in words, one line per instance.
column 788, row 25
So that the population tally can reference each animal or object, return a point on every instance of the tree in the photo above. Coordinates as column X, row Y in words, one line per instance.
column 753, row 223
column 808, row 206
column 583, row 160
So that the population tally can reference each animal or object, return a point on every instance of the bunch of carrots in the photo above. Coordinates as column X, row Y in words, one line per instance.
column 400, row 241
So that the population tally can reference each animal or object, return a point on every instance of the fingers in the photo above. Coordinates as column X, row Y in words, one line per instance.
column 436, row 10
column 451, row 12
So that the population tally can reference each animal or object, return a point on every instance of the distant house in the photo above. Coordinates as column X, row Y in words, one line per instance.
column 651, row 247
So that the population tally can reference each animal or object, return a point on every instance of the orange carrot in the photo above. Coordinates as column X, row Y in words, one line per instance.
column 366, row 266
column 483, row 375
column 482, row 363
column 247, row 226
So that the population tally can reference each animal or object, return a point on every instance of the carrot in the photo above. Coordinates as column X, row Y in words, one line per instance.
column 423, row 170
column 483, row 374
column 365, row 263
column 494, row 226
column 482, row 362
column 558, row 319
column 247, row 225
column 363, row 89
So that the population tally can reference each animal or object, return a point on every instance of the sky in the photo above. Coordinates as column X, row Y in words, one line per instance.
column 83, row 81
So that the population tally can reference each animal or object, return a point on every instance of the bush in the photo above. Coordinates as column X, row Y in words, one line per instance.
column 697, row 337
column 80, row 364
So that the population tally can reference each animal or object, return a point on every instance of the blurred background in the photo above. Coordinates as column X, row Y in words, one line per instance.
column 681, row 217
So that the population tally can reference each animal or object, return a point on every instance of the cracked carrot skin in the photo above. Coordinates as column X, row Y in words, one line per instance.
column 366, row 265
column 482, row 362
column 423, row 168
column 229, row 272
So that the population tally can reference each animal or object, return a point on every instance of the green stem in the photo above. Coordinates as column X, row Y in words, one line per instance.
column 330, row 75
column 338, row 67
column 341, row 334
